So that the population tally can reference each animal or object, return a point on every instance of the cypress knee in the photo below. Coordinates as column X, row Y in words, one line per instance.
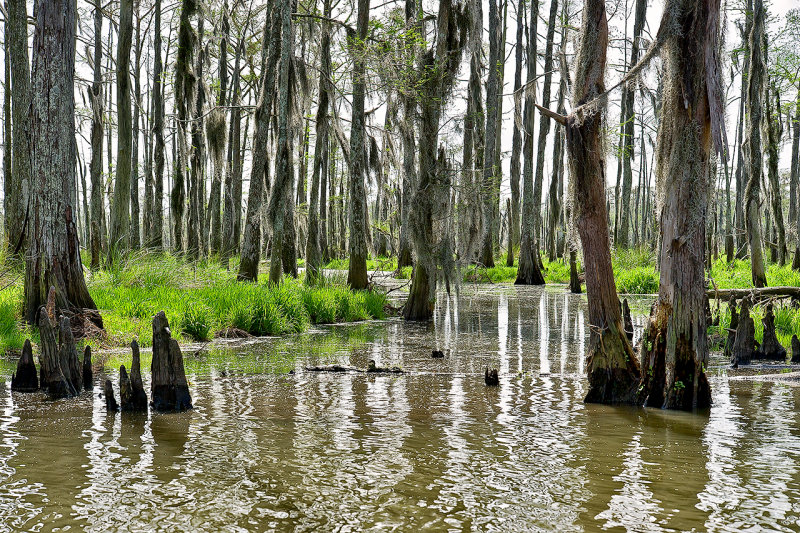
column 139, row 397
column 68, row 355
column 87, row 368
column 25, row 380
column 628, row 322
column 111, row 402
column 732, row 329
column 52, row 377
column 795, row 349
column 169, row 390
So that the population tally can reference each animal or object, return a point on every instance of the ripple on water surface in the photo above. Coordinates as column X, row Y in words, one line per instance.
column 430, row 449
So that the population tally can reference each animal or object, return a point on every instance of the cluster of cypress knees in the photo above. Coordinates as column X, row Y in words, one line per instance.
column 61, row 375
column 741, row 346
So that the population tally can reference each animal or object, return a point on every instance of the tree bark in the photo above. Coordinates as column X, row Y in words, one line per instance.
column 119, row 236
column 54, row 252
column 21, row 171
column 516, row 140
column 774, row 132
column 233, row 177
column 251, row 240
column 675, row 348
column 614, row 375
column 135, row 221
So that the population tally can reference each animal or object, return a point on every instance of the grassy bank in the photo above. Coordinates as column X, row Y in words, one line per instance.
column 200, row 301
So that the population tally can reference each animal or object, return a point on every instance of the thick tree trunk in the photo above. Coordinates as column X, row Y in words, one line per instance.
column 752, row 148
column 357, row 249
column 7, row 175
column 119, row 235
column 54, row 257
column 157, row 232
column 18, row 213
column 528, row 272
column 675, row 348
column 614, row 375
column 251, row 240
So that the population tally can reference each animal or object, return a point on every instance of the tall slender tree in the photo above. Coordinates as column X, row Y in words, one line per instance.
column 158, row 135
column 119, row 236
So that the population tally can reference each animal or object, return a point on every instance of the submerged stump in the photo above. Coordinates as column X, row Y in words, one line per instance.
column 87, row 368
column 491, row 378
column 744, row 343
column 795, row 349
column 169, row 389
column 68, row 355
column 25, row 379
column 770, row 348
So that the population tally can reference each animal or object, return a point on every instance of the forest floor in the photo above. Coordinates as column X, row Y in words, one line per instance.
column 203, row 300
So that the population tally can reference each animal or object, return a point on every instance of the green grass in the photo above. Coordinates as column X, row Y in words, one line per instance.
column 787, row 323
column 388, row 264
column 199, row 301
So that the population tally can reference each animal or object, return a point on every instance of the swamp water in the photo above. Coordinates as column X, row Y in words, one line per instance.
column 432, row 449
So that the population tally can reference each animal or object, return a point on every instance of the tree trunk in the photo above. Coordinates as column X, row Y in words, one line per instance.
column 196, row 230
column 774, row 132
column 313, row 248
column 54, row 252
column 7, row 175
column 614, row 375
column 628, row 93
column 491, row 165
column 431, row 198
column 157, row 231
column 119, row 236
column 21, row 137
column 675, row 347
column 752, row 148
column 277, row 210
column 357, row 250
column 135, row 238
column 251, row 250
column 233, row 177
column 528, row 272
column 516, row 140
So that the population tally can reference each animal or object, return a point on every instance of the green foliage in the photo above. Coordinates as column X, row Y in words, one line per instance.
column 638, row 280
column 196, row 321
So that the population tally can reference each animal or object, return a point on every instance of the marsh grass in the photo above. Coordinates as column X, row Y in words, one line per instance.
column 200, row 300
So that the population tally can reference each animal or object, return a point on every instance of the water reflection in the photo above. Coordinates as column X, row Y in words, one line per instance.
column 431, row 449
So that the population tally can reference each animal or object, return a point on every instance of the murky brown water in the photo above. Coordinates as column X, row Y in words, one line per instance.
column 433, row 449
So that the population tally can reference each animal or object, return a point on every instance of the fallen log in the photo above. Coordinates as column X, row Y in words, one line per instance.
column 25, row 379
column 755, row 294
column 169, row 390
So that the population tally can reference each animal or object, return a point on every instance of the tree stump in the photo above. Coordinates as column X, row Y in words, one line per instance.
column 131, row 390
column 744, row 344
column 795, row 349
column 732, row 329
column 111, row 402
column 169, row 390
column 770, row 348
column 574, row 279
column 628, row 322
column 52, row 377
column 87, row 368
column 25, row 379
column 491, row 378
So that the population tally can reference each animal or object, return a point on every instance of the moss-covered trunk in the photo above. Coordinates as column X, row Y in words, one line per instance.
column 675, row 347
